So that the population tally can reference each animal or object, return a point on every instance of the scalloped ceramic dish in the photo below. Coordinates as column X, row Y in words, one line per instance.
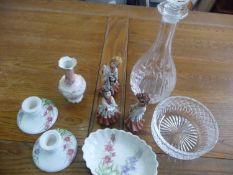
column 116, row 152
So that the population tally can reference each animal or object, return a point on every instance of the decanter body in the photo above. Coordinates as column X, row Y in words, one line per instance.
column 155, row 72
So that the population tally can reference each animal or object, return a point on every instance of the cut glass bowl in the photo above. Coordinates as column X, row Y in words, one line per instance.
column 184, row 128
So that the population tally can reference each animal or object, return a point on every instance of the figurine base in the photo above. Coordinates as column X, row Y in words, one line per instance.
column 73, row 93
column 107, row 121
column 76, row 100
column 134, row 126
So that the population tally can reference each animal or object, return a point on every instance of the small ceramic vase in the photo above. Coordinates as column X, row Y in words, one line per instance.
column 108, row 112
column 135, row 121
column 72, row 86
column 54, row 150
column 36, row 115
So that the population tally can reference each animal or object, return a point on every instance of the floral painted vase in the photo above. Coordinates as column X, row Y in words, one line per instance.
column 72, row 86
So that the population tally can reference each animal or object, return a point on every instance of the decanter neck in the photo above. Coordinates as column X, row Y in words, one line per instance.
column 165, row 36
column 172, row 12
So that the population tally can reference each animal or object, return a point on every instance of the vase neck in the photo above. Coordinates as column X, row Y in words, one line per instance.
column 165, row 36
column 69, row 76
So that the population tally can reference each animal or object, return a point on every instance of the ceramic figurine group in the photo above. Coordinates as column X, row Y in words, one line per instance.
column 108, row 112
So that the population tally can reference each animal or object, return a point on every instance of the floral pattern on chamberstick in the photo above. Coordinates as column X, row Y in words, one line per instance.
column 69, row 146
column 107, row 165
column 36, row 151
column 48, row 112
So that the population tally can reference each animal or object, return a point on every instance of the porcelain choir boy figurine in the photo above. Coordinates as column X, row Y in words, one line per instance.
column 135, row 120
column 72, row 86
column 110, row 73
column 107, row 112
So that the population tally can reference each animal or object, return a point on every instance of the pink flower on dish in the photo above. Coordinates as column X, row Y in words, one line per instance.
column 50, row 108
column 67, row 138
column 108, row 148
column 49, row 119
column 70, row 152
column 107, row 159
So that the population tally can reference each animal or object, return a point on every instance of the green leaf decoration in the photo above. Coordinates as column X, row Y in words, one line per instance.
column 47, row 102
column 107, row 170
column 63, row 132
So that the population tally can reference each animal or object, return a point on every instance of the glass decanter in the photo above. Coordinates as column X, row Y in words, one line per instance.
column 155, row 71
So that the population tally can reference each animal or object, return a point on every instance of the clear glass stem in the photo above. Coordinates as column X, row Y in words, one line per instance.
column 163, row 43
column 166, row 33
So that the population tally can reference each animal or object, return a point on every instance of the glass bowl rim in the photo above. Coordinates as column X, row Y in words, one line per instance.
column 158, row 136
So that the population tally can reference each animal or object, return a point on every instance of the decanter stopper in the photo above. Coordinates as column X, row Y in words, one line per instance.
column 173, row 10
column 72, row 86
column 155, row 72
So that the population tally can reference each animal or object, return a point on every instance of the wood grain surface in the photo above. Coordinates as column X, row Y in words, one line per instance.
column 31, row 44
column 116, row 40
column 19, row 155
column 35, row 34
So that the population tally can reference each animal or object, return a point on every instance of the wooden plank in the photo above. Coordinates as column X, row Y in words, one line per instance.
column 97, row 9
column 31, row 44
column 16, row 159
column 116, row 40
column 203, row 58
column 100, row 9
column 201, row 166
